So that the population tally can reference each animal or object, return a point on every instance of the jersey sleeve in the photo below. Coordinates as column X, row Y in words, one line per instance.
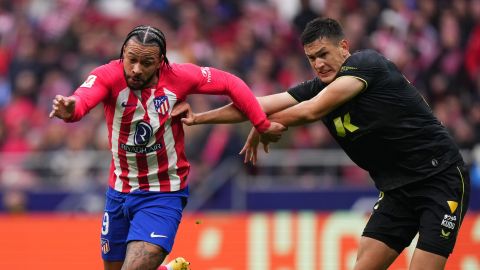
column 93, row 91
column 366, row 66
column 306, row 90
column 211, row 81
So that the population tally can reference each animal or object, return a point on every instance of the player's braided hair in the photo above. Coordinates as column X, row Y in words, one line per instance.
column 148, row 35
column 322, row 28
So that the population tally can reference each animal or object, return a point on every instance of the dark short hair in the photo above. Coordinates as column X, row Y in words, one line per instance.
column 322, row 28
column 148, row 35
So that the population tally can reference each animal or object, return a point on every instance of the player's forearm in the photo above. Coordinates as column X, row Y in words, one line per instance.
column 244, row 100
column 224, row 115
column 231, row 114
column 337, row 93
column 276, row 102
column 297, row 115
column 87, row 98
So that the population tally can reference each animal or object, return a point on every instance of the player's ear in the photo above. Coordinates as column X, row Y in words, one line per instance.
column 161, row 60
column 345, row 47
column 123, row 50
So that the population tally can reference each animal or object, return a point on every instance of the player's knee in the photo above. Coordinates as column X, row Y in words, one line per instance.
column 143, row 256
column 374, row 254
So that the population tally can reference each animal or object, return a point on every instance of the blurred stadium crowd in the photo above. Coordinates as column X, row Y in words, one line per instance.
column 48, row 48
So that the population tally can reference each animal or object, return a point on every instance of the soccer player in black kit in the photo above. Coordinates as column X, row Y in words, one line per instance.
column 386, row 127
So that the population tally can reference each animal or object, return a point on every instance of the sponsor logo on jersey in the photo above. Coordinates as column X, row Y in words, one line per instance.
column 140, row 149
column 161, row 104
column 88, row 83
column 347, row 68
column 342, row 126
column 143, row 132
column 104, row 245
column 206, row 73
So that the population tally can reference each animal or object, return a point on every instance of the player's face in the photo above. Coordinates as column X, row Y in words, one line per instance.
column 141, row 64
column 326, row 57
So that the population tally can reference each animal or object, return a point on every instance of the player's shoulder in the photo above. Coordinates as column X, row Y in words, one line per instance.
column 107, row 75
column 313, row 83
column 111, row 70
column 307, row 89
column 184, row 67
column 187, row 72
column 367, row 54
column 366, row 58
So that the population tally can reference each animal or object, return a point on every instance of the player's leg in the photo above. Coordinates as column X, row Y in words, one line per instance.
column 374, row 254
column 143, row 255
column 426, row 260
column 390, row 229
column 155, row 218
column 114, row 231
column 443, row 206
column 149, row 258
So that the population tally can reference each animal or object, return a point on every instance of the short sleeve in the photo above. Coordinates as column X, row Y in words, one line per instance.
column 367, row 66
column 306, row 90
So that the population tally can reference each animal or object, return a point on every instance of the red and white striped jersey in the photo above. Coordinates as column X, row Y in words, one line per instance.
column 147, row 146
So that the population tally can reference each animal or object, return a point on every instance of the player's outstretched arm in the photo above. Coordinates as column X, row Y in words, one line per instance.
column 224, row 115
column 63, row 107
column 336, row 93
column 229, row 114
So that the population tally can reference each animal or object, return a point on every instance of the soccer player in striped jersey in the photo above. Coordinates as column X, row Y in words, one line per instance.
column 148, row 186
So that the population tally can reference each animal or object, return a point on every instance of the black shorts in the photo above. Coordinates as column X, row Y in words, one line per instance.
column 434, row 208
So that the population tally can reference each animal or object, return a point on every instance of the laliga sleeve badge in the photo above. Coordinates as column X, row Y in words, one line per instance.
column 89, row 81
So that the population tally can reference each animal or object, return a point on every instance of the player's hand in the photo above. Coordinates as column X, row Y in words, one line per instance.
column 250, row 149
column 273, row 133
column 184, row 109
column 62, row 107
column 251, row 146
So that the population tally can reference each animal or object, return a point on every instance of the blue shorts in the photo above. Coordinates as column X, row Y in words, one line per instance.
column 141, row 215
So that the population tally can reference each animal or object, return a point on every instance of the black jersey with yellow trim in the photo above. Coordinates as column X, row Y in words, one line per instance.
column 388, row 129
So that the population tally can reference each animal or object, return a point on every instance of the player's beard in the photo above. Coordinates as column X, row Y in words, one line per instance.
column 147, row 82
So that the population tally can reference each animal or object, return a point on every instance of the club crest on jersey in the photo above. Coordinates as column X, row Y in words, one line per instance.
column 161, row 104
column 143, row 132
